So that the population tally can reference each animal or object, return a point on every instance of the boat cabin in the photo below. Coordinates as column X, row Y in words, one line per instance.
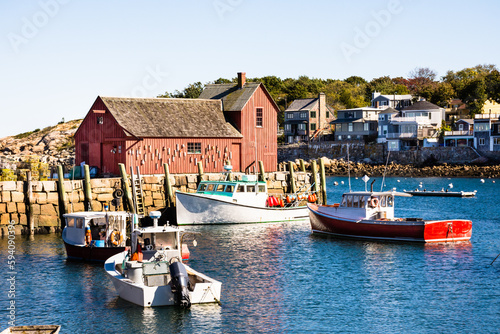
column 369, row 205
column 105, row 227
column 153, row 239
column 244, row 191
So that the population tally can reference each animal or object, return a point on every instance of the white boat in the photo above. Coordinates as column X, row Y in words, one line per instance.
column 95, row 235
column 161, row 278
column 238, row 201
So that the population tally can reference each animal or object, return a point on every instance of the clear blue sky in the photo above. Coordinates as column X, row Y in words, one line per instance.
column 59, row 55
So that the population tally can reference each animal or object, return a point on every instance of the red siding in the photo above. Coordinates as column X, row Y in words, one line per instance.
column 265, row 137
column 101, row 140
column 151, row 153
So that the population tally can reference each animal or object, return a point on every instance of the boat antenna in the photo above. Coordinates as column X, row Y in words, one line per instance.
column 385, row 170
column 348, row 168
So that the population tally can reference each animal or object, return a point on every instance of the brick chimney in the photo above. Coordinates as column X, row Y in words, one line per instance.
column 241, row 79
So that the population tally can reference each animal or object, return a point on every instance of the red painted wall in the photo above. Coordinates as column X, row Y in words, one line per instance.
column 265, row 137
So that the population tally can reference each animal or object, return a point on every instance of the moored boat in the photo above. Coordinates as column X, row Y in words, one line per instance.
column 441, row 193
column 35, row 329
column 370, row 215
column 95, row 235
column 152, row 272
column 239, row 201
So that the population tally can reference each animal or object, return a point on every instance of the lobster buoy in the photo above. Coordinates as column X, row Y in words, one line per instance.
column 282, row 203
column 310, row 198
column 288, row 199
column 271, row 201
column 315, row 198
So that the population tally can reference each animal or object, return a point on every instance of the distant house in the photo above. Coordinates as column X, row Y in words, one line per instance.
column 414, row 124
column 394, row 101
column 385, row 124
column 249, row 107
column 307, row 119
column 356, row 124
column 147, row 132
column 235, row 122
column 461, row 134
column 487, row 132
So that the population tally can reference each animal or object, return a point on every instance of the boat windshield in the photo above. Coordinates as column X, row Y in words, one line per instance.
column 158, row 241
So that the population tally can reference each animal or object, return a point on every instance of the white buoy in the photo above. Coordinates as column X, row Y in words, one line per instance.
column 450, row 185
column 482, row 180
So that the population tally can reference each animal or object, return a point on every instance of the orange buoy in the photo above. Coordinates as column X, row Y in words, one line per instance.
column 282, row 203
column 288, row 199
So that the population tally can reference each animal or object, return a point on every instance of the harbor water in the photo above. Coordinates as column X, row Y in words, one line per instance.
column 279, row 278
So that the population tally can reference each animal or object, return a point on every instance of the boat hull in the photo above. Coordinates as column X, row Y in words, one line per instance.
column 193, row 209
column 99, row 254
column 327, row 222
column 208, row 291
column 442, row 193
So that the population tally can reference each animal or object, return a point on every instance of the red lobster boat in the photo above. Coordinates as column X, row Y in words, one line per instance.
column 370, row 215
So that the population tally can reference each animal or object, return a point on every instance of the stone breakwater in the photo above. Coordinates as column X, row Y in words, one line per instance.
column 46, row 205
column 340, row 167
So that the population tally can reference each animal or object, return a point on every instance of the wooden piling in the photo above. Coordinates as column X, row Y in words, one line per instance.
column 29, row 204
column 62, row 195
column 168, row 186
column 302, row 165
column 314, row 171
column 262, row 172
column 322, row 180
column 87, row 189
column 292, row 178
column 126, row 189
column 200, row 173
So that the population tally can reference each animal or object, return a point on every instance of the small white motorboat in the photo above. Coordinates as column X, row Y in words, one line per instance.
column 36, row 329
column 159, row 278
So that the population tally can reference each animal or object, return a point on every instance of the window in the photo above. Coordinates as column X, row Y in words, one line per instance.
column 350, row 127
column 194, row 148
column 202, row 187
column 302, row 127
column 340, row 137
column 250, row 189
column 366, row 126
column 258, row 117
column 496, row 141
column 71, row 222
column 79, row 223
column 303, row 115
column 241, row 188
column 327, row 114
column 481, row 141
column 288, row 127
column 289, row 115
column 313, row 126
column 262, row 188
column 313, row 114
column 460, row 127
column 220, row 187
column 210, row 187
column 481, row 127
column 100, row 120
column 229, row 188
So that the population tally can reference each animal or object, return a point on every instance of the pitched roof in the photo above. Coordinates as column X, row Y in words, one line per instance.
column 422, row 105
column 233, row 98
column 302, row 104
column 160, row 117
column 389, row 111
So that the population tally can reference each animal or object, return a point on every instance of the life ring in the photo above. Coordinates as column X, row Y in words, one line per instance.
column 374, row 202
column 116, row 238
column 118, row 193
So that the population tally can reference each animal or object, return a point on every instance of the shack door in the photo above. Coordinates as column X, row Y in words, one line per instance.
column 236, row 156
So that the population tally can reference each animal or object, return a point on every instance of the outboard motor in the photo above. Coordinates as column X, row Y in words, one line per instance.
column 180, row 282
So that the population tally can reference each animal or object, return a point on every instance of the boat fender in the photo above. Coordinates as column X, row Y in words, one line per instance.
column 88, row 236
column 116, row 238
column 180, row 283
column 374, row 202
